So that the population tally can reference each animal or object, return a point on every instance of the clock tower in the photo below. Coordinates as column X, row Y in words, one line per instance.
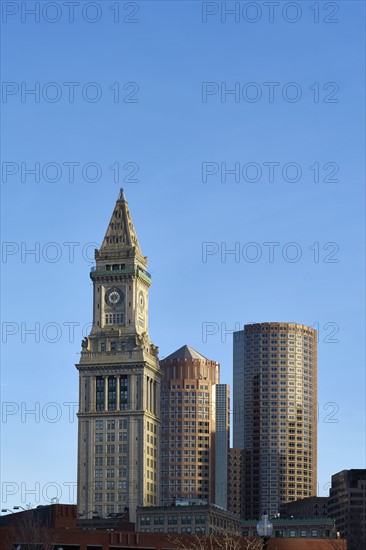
column 119, row 375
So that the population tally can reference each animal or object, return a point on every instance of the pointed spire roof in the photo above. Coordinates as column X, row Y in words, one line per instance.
column 121, row 196
column 186, row 352
column 120, row 233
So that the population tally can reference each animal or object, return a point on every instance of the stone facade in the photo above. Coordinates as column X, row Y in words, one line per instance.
column 119, row 381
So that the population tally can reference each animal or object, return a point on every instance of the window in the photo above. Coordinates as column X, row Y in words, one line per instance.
column 124, row 392
column 172, row 520
column 100, row 393
column 145, row 520
column 123, row 424
column 186, row 520
column 114, row 319
column 199, row 520
column 158, row 520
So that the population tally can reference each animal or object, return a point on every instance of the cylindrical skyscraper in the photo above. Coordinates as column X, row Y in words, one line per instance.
column 275, row 413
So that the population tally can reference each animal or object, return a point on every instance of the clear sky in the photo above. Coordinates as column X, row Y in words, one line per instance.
column 144, row 87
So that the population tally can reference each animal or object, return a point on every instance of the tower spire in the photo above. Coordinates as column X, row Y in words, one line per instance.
column 121, row 196
column 120, row 234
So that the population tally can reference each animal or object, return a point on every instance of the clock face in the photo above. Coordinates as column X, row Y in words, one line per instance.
column 114, row 297
column 141, row 301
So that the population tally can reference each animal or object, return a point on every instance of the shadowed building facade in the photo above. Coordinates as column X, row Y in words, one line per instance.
column 222, row 444
column 275, row 413
column 235, row 481
column 188, row 425
column 55, row 526
column 119, row 381
column 347, row 505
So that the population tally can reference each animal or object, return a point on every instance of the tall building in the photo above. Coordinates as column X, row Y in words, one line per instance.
column 275, row 413
column 119, row 376
column 188, row 425
column 347, row 505
column 222, row 444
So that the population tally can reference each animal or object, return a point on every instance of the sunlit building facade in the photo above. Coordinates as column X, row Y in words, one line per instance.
column 275, row 413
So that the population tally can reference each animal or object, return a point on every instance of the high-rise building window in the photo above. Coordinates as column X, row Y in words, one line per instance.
column 124, row 392
column 100, row 393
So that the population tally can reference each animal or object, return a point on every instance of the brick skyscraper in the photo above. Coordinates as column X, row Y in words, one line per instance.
column 188, row 425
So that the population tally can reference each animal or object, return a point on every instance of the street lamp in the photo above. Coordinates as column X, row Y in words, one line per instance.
column 7, row 510
column 264, row 530
column 19, row 507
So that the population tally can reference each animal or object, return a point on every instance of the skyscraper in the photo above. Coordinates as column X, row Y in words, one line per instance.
column 188, row 425
column 222, row 444
column 275, row 413
column 119, row 377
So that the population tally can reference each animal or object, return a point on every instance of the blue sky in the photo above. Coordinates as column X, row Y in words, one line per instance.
column 162, row 130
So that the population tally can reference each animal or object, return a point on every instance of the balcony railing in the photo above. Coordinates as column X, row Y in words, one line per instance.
column 127, row 270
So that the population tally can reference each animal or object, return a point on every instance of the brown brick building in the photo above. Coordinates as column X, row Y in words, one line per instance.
column 188, row 425
column 55, row 526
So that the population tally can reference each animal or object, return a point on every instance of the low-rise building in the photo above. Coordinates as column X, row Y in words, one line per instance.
column 204, row 519
column 295, row 528
column 306, row 508
column 55, row 526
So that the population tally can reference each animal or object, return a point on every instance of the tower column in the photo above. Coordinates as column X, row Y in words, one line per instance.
column 132, row 401
column 118, row 392
column 106, row 393
column 146, row 393
column 90, row 399
column 154, row 389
